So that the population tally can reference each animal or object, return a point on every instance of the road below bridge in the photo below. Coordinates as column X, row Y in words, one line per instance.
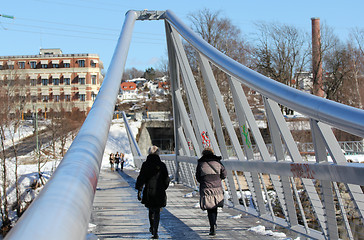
column 117, row 214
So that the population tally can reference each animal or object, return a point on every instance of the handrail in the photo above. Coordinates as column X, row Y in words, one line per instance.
column 62, row 210
column 134, row 146
column 341, row 116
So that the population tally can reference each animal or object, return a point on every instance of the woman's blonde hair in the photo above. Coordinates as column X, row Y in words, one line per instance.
column 208, row 151
column 153, row 150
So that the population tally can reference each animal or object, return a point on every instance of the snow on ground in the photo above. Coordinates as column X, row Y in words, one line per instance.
column 24, row 130
column 261, row 230
column 190, row 195
column 118, row 142
column 28, row 173
column 359, row 158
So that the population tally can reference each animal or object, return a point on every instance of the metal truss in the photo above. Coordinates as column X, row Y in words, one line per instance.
column 306, row 191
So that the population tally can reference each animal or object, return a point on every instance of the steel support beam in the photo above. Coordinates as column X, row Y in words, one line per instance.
column 62, row 210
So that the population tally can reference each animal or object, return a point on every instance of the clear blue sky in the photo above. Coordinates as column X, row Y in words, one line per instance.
column 93, row 26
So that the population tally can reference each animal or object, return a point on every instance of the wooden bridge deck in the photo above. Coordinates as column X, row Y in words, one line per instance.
column 117, row 214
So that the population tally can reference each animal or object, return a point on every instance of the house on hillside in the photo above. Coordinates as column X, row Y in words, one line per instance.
column 159, row 88
column 153, row 87
column 128, row 91
column 140, row 82
column 163, row 88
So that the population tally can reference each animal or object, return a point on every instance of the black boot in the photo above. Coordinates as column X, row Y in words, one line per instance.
column 154, row 216
column 212, row 215
column 155, row 236
column 213, row 230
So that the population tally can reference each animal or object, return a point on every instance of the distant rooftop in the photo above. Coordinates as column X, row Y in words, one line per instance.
column 51, row 52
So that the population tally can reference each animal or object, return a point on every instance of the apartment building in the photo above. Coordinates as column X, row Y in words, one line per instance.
column 51, row 81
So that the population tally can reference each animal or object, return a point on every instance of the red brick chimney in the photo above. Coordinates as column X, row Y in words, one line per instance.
column 316, row 58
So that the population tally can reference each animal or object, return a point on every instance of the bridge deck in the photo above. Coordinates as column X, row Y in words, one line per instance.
column 118, row 215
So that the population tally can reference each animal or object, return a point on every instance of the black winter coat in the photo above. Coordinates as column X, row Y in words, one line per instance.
column 154, row 177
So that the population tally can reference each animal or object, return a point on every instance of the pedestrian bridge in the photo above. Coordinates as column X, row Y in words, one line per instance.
column 315, row 198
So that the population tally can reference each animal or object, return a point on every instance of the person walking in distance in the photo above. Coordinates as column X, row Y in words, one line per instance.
column 112, row 159
column 122, row 161
column 209, row 173
column 154, row 178
column 117, row 160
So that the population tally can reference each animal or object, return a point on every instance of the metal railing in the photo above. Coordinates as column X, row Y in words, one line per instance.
column 316, row 198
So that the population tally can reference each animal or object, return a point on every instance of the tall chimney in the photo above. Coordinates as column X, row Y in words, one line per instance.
column 316, row 58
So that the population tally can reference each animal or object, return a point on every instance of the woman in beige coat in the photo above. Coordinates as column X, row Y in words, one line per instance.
column 209, row 173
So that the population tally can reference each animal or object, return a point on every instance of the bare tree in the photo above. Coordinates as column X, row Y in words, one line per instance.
column 12, row 102
column 163, row 66
column 281, row 51
column 4, row 124
column 132, row 73
column 344, row 70
column 357, row 36
column 220, row 33
column 18, row 104
column 225, row 37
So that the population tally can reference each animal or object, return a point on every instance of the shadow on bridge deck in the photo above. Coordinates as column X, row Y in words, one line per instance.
column 117, row 214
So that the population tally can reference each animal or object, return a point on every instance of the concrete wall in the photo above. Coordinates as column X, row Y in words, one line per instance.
column 157, row 133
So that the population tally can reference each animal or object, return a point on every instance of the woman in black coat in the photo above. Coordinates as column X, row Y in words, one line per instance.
column 154, row 177
column 209, row 173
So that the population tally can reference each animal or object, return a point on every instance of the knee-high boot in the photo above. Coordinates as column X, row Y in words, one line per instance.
column 212, row 215
column 154, row 217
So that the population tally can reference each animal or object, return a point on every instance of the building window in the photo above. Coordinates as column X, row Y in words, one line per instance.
column 21, row 65
column 33, row 82
column 45, row 98
column 81, row 63
column 93, row 96
column 81, row 81
column 66, row 65
column 93, row 64
column 93, row 79
column 44, row 82
column 33, row 64
column 10, row 66
column 82, row 97
column 55, row 81
column 66, row 81
column 55, row 65
column 34, row 99
column 56, row 98
column 67, row 98
column 44, row 66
